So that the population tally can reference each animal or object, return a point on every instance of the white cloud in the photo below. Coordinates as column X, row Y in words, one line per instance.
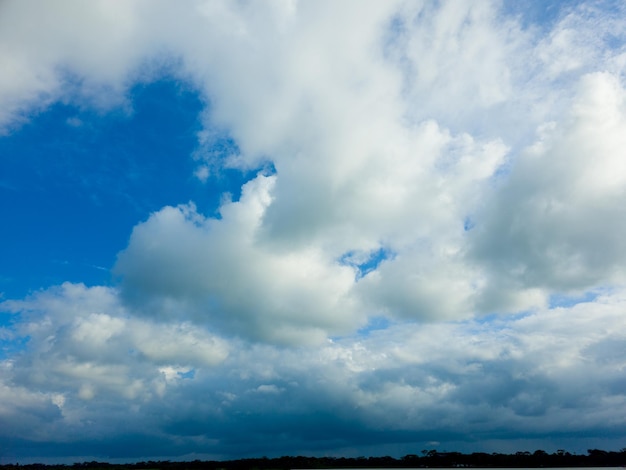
column 441, row 42
column 202, row 173
column 352, row 175
column 215, row 271
column 578, row 42
column 554, row 225
column 538, row 374
column 83, row 341
column 47, row 47
column 480, row 160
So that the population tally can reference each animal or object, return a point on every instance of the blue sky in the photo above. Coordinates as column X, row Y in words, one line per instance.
column 110, row 170
column 270, row 228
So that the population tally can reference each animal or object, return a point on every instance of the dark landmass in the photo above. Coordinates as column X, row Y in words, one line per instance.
column 427, row 459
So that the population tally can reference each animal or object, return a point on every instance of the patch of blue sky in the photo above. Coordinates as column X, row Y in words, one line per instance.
column 365, row 263
column 499, row 320
column 76, row 181
column 213, row 160
column 567, row 301
column 374, row 324
column 540, row 13
column 496, row 320
column 488, row 318
column 10, row 342
column 545, row 13
column 190, row 374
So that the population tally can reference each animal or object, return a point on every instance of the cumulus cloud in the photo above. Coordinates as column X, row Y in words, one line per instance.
column 555, row 225
column 216, row 272
column 426, row 163
column 547, row 375
column 53, row 52
column 82, row 341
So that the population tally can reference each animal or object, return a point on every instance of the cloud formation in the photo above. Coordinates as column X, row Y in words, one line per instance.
column 216, row 272
column 546, row 376
column 429, row 246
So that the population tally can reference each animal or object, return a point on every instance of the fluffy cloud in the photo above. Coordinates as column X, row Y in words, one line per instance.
column 425, row 163
column 53, row 52
column 555, row 225
column 82, row 341
column 547, row 375
column 215, row 271
column 358, row 125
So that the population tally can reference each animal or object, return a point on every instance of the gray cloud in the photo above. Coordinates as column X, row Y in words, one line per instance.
column 479, row 157
column 554, row 224
column 550, row 373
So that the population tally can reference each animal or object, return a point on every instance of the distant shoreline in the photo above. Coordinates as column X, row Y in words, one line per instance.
column 428, row 459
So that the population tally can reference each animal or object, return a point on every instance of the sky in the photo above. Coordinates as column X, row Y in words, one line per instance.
column 261, row 228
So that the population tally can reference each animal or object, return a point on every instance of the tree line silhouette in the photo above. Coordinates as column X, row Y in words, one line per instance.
column 427, row 459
